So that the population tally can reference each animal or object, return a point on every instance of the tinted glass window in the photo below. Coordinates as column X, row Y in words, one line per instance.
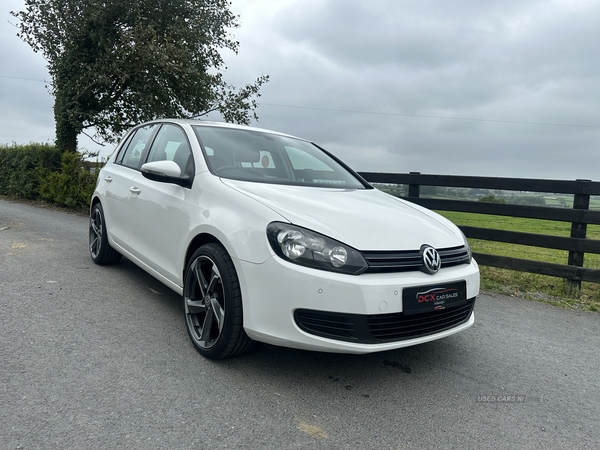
column 136, row 147
column 268, row 158
column 301, row 160
column 171, row 144
column 123, row 149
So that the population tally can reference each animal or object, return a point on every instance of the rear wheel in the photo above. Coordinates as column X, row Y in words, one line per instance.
column 100, row 250
column 213, row 304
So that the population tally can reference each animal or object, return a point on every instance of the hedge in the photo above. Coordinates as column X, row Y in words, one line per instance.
column 41, row 172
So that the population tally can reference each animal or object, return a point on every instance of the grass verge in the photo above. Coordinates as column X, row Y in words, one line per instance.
column 532, row 286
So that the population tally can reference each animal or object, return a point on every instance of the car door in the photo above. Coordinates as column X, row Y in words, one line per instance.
column 118, row 177
column 157, row 209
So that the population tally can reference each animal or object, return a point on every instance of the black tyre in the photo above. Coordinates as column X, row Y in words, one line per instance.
column 100, row 250
column 213, row 304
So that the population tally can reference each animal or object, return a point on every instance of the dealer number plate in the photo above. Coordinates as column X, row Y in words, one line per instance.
column 436, row 297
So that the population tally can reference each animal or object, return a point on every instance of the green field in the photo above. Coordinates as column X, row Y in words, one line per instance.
column 538, row 287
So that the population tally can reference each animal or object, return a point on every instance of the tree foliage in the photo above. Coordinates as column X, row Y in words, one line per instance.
column 21, row 167
column 116, row 63
column 71, row 186
column 532, row 200
column 491, row 198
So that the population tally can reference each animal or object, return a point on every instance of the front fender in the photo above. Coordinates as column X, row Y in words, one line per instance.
column 232, row 217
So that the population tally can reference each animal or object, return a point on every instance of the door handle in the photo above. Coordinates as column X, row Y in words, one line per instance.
column 107, row 179
column 134, row 190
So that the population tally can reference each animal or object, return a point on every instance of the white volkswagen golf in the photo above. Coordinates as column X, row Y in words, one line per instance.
column 270, row 238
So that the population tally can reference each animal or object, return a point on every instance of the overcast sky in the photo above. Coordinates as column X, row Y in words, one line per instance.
column 465, row 87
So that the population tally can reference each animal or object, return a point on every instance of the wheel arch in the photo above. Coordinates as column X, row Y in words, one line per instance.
column 94, row 202
column 197, row 242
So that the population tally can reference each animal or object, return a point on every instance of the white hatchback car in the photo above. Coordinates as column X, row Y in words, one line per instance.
column 270, row 238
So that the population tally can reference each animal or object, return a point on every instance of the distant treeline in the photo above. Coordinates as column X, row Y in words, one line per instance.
column 485, row 195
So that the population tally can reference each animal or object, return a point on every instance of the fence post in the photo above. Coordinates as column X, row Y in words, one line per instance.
column 578, row 230
column 414, row 189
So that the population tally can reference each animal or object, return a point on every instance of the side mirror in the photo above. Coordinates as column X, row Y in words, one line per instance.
column 165, row 172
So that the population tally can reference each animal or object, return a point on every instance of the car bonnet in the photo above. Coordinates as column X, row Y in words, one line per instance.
column 366, row 219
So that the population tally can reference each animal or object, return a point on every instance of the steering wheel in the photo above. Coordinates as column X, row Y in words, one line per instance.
column 221, row 170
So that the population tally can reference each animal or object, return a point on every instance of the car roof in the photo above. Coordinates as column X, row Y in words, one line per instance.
column 208, row 123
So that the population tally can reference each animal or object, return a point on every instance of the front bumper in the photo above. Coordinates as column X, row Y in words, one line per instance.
column 277, row 295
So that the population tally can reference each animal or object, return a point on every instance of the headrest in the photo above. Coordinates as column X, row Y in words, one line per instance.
column 247, row 154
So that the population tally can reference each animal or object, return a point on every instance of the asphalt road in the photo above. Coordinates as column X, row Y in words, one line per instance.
column 98, row 358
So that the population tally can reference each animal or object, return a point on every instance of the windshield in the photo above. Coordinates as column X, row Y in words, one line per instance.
column 269, row 158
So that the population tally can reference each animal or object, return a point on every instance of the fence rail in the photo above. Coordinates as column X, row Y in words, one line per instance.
column 92, row 166
column 579, row 216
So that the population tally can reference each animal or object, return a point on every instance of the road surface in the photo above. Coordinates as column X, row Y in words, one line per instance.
column 98, row 358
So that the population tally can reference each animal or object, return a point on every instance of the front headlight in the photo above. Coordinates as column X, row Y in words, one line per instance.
column 308, row 248
column 468, row 247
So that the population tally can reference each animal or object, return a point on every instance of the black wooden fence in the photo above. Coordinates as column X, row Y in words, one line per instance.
column 579, row 217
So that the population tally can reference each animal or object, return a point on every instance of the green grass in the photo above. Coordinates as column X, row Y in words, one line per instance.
column 538, row 287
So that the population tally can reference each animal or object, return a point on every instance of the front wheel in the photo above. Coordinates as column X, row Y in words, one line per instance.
column 213, row 304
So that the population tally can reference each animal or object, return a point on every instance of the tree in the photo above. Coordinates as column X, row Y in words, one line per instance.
column 491, row 198
column 430, row 191
column 533, row 200
column 116, row 63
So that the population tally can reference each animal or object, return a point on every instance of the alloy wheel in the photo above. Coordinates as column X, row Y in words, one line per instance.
column 95, row 233
column 204, row 302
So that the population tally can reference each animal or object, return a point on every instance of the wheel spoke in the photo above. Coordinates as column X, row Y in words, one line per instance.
column 201, row 280
column 206, row 326
column 95, row 228
column 195, row 306
column 218, row 313
column 214, row 280
column 94, row 245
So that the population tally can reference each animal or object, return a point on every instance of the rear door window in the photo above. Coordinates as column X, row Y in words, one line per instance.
column 136, row 147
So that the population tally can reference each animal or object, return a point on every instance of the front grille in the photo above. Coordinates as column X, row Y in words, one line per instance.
column 332, row 325
column 411, row 260
column 397, row 327
column 379, row 328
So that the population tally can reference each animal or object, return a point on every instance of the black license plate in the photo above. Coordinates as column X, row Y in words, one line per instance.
column 436, row 297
